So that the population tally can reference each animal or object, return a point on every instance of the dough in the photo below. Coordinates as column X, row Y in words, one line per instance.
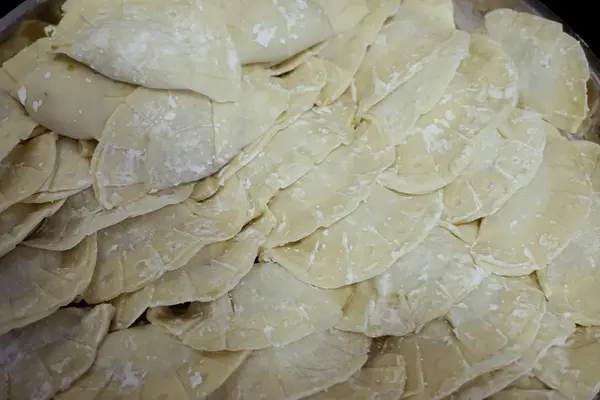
column 346, row 14
column 20, row 219
column 35, row 283
column 441, row 144
column 210, row 274
column 439, row 13
column 363, row 244
column 528, row 388
column 570, row 368
column 465, row 232
column 48, row 356
column 26, row 168
column 419, row 287
column 169, row 45
column 81, row 216
column 553, row 70
column 147, row 363
column 296, row 60
column 332, row 189
column 299, row 369
column 536, row 224
column 15, row 125
column 505, row 160
column 86, row 148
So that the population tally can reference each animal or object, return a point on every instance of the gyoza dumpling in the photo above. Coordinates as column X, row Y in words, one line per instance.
column 299, row 369
column 168, row 45
column 553, row 69
column 47, row 356
column 15, row 125
column 145, row 362
column 34, row 283
column 269, row 307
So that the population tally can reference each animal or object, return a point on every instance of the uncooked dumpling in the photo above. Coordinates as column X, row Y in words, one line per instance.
column 81, row 215
column 34, row 283
column 26, row 168
column 553, row 69
column 419, row 287
column 210, row 274
column 528, row 388
column 145, row 362
column 505, row 160
column 15, row 125
column 534, row 226
column 363, row 244
column 269, row 307
column 20, row 219
column 299, row 369
column 167, row 45
column 571, row 368
column 440, row 146
column 46, row 357
column 138, row 251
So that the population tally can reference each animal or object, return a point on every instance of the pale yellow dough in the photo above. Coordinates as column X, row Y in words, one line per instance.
column 528, row 388
column 15, row 125
column 47, row 356
column 147, row 363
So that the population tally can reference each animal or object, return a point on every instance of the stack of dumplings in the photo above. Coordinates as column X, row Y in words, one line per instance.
column 297, row 199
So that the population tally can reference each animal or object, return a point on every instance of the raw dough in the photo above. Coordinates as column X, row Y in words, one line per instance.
column 419, row 287
column 168, row 45
column 363, row 244
column 299, row 369
column 210, row 274
column 48, row 356
column 147, row 363
column 35, row 283
column 553, row 69
column 505, row 160
column 536, row 224
column 571, row 368
column 15, row 125
column 346, row 14
column 440, row 146
column 86, row 148
column 528, row 388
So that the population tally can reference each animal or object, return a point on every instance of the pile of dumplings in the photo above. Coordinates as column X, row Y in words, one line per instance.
column 297, row 199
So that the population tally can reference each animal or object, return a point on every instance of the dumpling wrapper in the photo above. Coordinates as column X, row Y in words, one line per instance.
column 269, row 307
column 299, row 369
column 138, row 251
column 81, row 215
column 20, row 219
column 489, row 329
column 211, row 273
column 35, row 283
column 332, row 189
column 571, row 368
column 86, row 148
column 175, row 45
column 553, row 68
column 528, row 388
column 505, row 160
column 145, row 362
column 295, row 61
column 47, row 356
column 441, row 145
column 363, row 244
column 419, row 287
column 15, row 125
column 344, row 15
column 534, row 226
column 26, row 168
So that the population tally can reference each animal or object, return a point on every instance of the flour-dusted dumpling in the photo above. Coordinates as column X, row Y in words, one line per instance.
column 571, row 368
column 47, row 356
column 25, row 169
column 553, row 331
column 145, row 362
column 419, row 287
column 269, row 307
column 299, row 369
column 465, row 232
column 332, row 189
column 168, row 45
column 441, row 144
column 553, row 69
column 34, row 283
column 71, row 174
column 210, row 274
column 15, row 125
column 505, row 160
column 138, row 251
column 20, row 219
column 534, row 226
column 346, row 14
column 363, row 244
column 81, row 215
